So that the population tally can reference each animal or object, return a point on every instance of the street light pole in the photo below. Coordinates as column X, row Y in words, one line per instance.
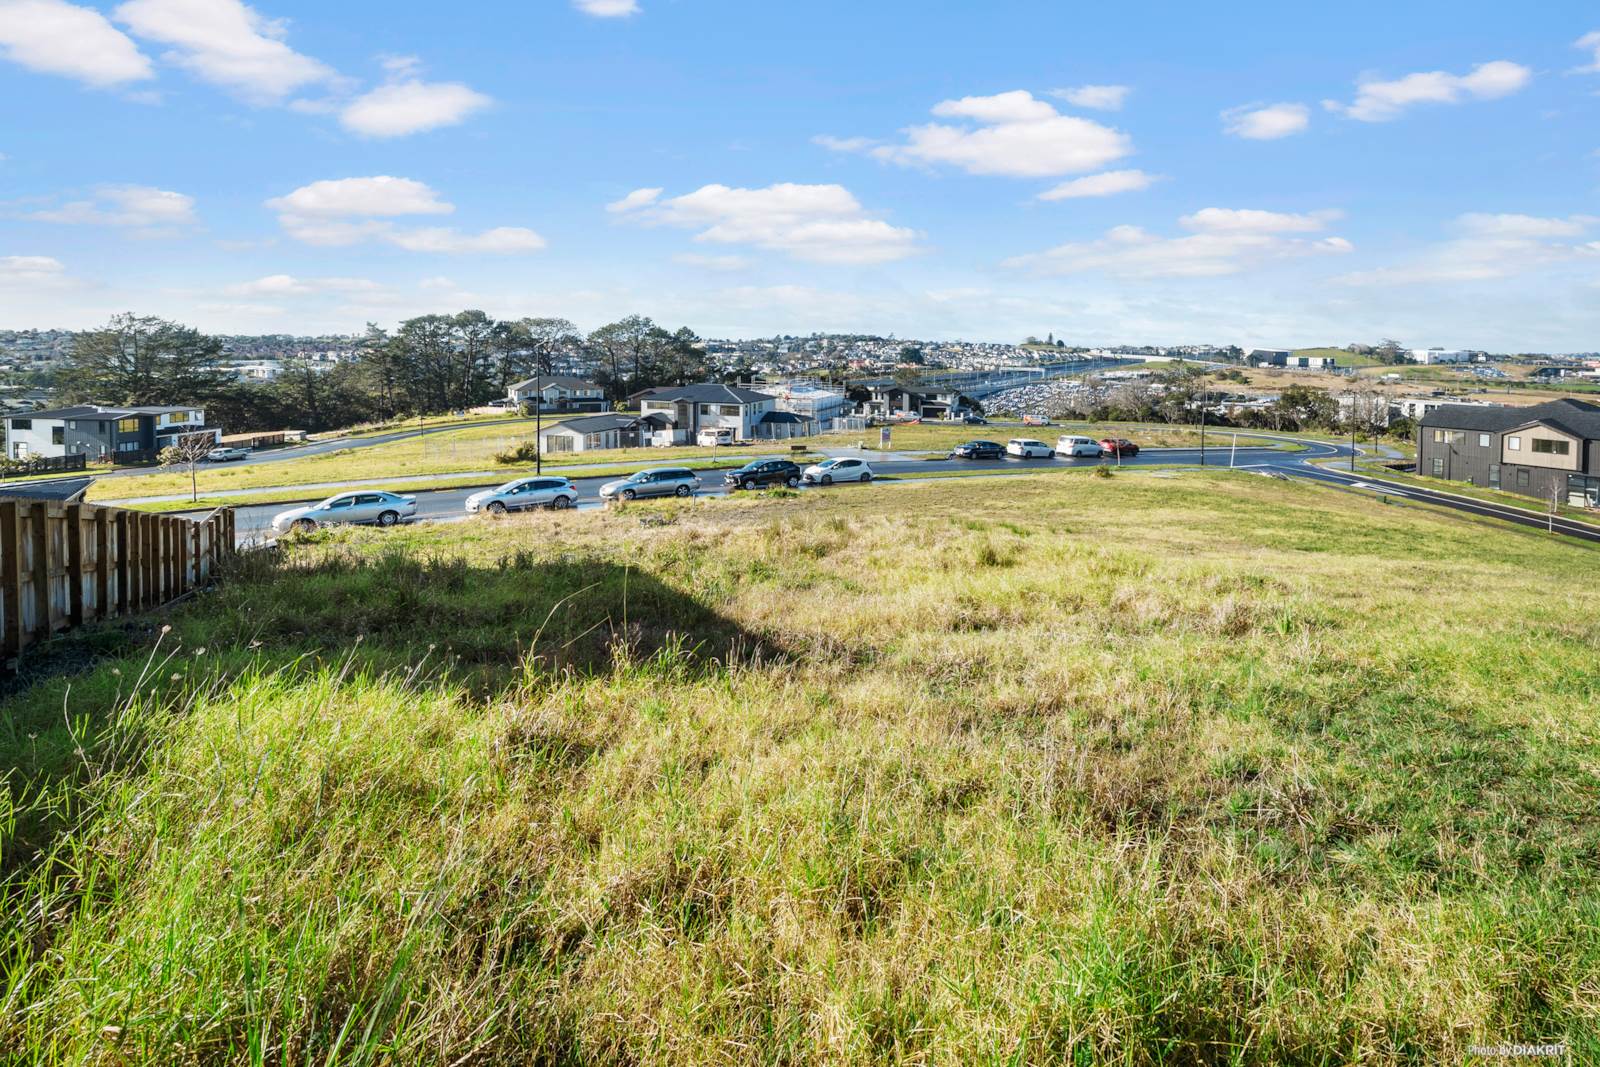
column 538, row 417
column 1202, row 430
column 1352, row 447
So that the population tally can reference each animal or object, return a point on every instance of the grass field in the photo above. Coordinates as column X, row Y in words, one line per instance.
column 445, row 453
column 1181, row 768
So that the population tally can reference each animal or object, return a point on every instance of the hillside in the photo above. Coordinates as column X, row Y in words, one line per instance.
column 1185, row 769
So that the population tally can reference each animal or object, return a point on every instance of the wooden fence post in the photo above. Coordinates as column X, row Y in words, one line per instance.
column 72, row 515
column 11, row 575
column 41, row 569
column 102, row 564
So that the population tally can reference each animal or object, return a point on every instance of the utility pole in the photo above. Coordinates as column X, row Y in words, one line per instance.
column 1352, row 447
column 538, row 417
column 1202, row 430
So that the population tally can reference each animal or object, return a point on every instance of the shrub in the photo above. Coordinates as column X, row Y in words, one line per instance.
column 521, row 452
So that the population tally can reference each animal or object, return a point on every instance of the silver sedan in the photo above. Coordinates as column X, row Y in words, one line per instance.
column 371, row 506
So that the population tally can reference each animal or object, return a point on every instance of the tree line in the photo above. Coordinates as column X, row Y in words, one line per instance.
column 426, row 365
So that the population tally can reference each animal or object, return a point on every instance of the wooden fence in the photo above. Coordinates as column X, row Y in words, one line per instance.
column 62, row 565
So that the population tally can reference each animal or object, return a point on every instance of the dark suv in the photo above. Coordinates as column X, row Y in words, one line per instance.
column 979, row 450
column 761, row 473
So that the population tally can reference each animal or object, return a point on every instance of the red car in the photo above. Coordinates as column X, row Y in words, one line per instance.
column 1119, row 446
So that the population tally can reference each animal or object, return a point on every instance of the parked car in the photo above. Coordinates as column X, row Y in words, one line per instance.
column 978, row 450
column 369, row 506
column 658, row 481
column 226, row 455
column 1074, row 445
column 522, row 494
column 838, row 470
column 1118, row 446
column 974, row 420
column 760, row 473
column 713, row 436
column 1027, row 448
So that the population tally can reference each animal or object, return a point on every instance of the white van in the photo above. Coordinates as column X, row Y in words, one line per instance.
column 1071, row 445
column 713, row 436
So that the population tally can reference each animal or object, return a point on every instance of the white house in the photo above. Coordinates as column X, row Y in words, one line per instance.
column 595, row 432
column 1441, row 355
column 560, row 392
column 685, row 410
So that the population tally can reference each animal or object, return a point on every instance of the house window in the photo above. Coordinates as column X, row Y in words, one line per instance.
column 731, row 409
column 1522, row 478
column 127, row 425
column 1551, row 448
column 22, row 424
column 1483, row 440
column 1494, row 476
column 1449, row 437
column 1438, row 468
column 58, row 435
column 1514, row 444
column 708, row 409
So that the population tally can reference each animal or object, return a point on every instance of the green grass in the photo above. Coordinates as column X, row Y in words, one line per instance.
column 1193, row 769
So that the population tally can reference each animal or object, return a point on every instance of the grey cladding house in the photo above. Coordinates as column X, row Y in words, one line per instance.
column 1547, row 450
column 116, row 433
column 560, row 393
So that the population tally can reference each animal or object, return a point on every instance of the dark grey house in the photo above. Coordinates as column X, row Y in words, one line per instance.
column 122, row 434
column 1550, row 449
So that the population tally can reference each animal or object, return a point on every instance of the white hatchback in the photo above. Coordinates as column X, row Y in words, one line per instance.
column 1027, row 448
column 1071, row 445
column 837, row 470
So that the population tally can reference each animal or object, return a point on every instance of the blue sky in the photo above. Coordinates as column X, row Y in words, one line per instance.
column 1273, row 174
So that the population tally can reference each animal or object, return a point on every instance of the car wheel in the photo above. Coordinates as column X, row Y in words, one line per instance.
column 793, row 482
column 561, row 503
column 628, row 494
column 749, row 484
column 388, row 518
column 827, row 479
column 497, row 507
column 684, row 490
column 866, row 477
column 303, row 525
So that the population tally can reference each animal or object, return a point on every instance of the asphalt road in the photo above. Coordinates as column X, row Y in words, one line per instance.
column 433, row 505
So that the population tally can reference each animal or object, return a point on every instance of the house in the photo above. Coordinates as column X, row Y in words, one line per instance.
column 1267, row 357
column 120, row 434
column 685, row 410
column 1548, row 450
column 810, row 401
column 559, row 392
column 594, row 432
column 890, row 401
column 1432, row 356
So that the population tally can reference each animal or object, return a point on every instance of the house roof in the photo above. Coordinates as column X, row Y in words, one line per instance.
column 596, row 424
column 562, row 381
column 783, row 416
column 63, row 489
column 97, row 411
column 706, row 393
column 1576, row 417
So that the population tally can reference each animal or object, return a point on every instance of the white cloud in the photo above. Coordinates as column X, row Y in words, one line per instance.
column 347, row 211
column 635, row 200
column 1015, row 134
column 124, row 205
column 1589, row 42
column 1099, row 97
column 502, row 240
column 717, row 263
column 226, row 43
column 1227, row 242
column 607, row 9
column 30, row 271
column 1492, row 247
column 288, row 285
column 55, row 37
column 1231, row 220
column 1107, row 183
column 843, row 144
column 411, row 106
column 817, row 223
column 377, row 196
column 1381, row 101
column 1267, row 123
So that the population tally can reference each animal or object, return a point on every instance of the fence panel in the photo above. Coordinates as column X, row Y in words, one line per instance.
column 62, row 565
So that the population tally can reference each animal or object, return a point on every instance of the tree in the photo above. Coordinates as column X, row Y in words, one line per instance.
column 138, row 359
column 186, row 453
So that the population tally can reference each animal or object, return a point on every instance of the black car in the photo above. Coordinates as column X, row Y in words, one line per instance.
column 764, row 472
column 979, row 450
column 974, row 420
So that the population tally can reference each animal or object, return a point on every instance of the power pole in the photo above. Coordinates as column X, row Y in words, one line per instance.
column 538, row 417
